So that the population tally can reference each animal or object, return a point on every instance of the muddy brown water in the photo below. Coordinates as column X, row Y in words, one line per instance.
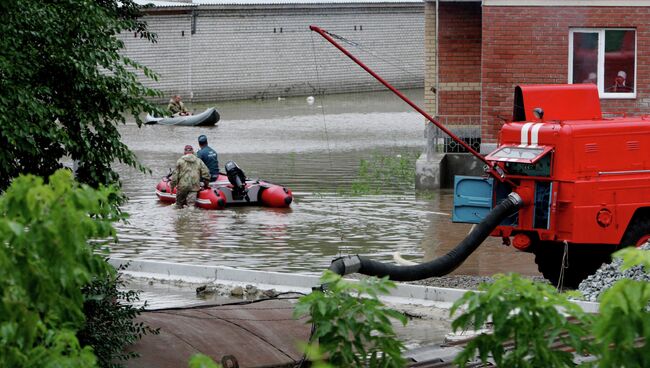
column 315, row 150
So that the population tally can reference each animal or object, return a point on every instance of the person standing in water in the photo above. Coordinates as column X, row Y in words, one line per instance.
column 187, row 178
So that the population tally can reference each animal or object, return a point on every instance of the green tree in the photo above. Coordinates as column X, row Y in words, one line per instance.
column 45, row 260
column 65, row 86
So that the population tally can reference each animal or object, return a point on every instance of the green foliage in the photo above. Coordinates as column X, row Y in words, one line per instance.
column 622, row 330
column 110, row 326
column 355, row 331
column 202, row 361
column 384, row 173
column 45, row 261
column 314, row 355
column 525, row 313
column 634, row 257
column 65, row 86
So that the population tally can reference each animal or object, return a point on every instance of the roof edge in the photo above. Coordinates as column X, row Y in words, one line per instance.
column 565, row 3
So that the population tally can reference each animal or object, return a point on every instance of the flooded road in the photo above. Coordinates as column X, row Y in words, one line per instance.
column 316, row 151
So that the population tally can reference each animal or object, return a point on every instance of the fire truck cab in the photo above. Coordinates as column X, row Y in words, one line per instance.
column 585, row 179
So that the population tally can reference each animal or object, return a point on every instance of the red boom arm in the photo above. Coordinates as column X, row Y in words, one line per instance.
column 413, row 105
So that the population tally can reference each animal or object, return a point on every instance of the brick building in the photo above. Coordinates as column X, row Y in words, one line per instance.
column 486, row 48
column 211, row 50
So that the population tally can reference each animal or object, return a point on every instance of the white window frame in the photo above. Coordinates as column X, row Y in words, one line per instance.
column 601, row 61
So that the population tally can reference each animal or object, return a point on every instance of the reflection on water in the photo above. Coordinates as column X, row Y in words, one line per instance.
column 315, row 151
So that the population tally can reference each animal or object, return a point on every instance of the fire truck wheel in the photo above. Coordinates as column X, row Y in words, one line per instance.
column 637, row 233
column 582, row 260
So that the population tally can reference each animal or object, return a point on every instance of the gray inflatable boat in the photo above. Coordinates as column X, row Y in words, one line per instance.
column 206, row 118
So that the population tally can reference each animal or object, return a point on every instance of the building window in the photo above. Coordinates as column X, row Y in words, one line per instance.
column 605, row 57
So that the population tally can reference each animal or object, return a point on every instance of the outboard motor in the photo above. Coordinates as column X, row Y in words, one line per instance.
column 237, row 178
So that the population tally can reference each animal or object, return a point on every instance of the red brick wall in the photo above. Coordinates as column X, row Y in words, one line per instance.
column 459, row 58
column 525, row 45
column 460, row 103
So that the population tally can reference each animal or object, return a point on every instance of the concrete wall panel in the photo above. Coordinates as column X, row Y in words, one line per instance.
column 267, row 53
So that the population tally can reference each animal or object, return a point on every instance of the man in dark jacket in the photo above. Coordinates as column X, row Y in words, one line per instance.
column 209, row 157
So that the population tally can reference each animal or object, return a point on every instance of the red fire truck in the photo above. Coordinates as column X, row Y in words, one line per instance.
column 584, row 179
column 565, row 183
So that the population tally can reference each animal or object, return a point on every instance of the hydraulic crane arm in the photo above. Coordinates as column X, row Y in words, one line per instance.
column 498, row 175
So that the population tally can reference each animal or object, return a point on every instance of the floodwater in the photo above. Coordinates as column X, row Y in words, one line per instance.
column 315, row 150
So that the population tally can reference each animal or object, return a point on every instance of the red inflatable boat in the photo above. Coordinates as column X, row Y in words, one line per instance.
column 231, row 190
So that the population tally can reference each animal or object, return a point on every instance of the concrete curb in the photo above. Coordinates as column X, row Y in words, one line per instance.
column 284, row 282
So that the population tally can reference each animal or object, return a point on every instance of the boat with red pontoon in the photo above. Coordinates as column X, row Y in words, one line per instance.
column 232, row 189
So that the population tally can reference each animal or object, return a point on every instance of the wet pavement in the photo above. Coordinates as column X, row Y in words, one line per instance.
column 427, row 324
column 262, row 334
column 316, row 151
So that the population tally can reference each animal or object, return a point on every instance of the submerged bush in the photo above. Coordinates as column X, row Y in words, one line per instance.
column 384, row 173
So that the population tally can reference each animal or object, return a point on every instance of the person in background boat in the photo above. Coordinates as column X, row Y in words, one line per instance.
column 187, row 178
column 176, row 107
column 209, row 157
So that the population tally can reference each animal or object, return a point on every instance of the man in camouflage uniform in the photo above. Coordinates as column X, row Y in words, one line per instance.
column 190, row 172
column 176, row 107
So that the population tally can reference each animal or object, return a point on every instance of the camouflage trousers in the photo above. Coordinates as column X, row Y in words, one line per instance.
column 185, row 197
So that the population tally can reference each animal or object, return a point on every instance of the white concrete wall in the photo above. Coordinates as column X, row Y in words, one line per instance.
column 235, row 53
column 285, row 282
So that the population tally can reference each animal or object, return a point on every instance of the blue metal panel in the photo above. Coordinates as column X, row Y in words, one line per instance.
column 542, row 207
column 473, row 198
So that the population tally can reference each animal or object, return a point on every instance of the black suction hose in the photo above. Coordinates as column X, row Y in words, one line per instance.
column 439, row 266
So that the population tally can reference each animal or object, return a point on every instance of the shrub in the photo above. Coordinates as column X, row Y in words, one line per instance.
column 45, row 261
column 525, row 313
column 110, row 326
column 622, row 330
column 355, row 331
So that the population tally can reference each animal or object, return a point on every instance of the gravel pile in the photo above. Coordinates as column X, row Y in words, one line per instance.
column 463, row 281
column 608, row 274
column 455, row 282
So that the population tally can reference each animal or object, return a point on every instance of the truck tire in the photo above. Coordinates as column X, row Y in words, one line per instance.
column 585, row 259
column 582, row 260
column 637, row 233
